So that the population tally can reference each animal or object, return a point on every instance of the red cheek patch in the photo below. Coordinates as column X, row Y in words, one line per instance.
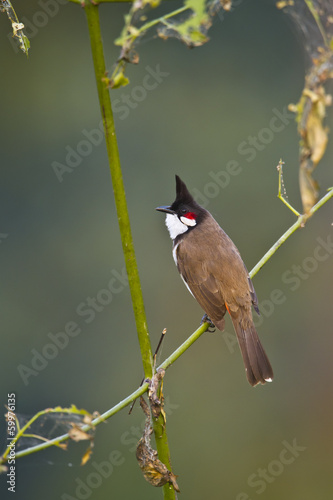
column 189, row 219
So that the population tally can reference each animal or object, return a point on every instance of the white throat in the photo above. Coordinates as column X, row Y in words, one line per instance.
column 175, row 226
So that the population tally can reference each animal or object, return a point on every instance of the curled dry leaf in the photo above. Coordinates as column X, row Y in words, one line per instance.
column 314, row 142
column 315, row 134
column 77, row 434
column 226, row 5
column 312, row 111
column 155, row 394
column 86, row 456
column 154, row 471
column 88, row 418
column 314, row 21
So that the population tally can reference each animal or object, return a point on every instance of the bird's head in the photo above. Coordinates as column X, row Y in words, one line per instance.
column 184, row 213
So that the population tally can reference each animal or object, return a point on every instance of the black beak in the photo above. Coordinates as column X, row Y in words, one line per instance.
column 166, row 209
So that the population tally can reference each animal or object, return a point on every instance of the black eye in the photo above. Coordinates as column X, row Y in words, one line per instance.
column 183, row 210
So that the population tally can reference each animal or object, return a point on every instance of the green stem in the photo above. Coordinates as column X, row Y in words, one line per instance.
column 162, row 447
column 125, row 230
column 153, row 22
column 118, row 188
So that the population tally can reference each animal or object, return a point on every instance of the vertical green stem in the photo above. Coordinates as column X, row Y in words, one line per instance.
column 92, row 14
column 162, row 447
column 124, row 225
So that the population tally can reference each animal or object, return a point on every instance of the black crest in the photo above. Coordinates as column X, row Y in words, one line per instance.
column 182, row 193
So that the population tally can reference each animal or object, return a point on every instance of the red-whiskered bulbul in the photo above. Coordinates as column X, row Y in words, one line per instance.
column 213, row 271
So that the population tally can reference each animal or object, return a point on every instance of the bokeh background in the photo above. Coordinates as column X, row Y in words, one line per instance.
column 60, row 244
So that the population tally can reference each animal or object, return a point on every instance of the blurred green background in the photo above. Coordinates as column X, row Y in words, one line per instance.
column 60, row 245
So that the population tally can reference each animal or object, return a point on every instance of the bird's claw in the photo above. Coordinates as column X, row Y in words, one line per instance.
column 206, row 319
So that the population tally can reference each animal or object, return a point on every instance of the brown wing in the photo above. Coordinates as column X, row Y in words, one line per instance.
column 204, row 288
column 215, row 273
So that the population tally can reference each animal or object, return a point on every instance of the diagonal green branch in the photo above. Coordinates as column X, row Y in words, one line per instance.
column 64, row 437
column 181, row 349
column 118, row 188
column 302, row 219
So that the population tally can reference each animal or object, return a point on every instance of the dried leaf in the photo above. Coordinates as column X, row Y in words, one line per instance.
column 311, row 114
column 86, row 456
column 313, row 18
column 284, row 3
column 309, row 187
column 88, row 418
column 154, row 471
column 77, row 434
column 315, row 134
column 226, row 5
column 155, row 394
column 63, row 446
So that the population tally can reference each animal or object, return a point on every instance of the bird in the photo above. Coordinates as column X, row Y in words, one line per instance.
column 213, row 271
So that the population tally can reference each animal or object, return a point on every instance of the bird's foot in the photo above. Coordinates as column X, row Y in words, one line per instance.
column 206, row 319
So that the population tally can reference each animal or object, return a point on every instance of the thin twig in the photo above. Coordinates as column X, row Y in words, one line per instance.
column 280, row 195
column 299, row 223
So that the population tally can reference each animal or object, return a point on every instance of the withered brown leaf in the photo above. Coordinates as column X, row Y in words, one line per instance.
column 155, row 394
column 154, row 471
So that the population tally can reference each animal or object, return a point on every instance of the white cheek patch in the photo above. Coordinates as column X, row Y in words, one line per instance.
column 188, row 222
column 175, row 227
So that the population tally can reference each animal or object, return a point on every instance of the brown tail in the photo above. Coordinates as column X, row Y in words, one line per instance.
column 257, row 366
